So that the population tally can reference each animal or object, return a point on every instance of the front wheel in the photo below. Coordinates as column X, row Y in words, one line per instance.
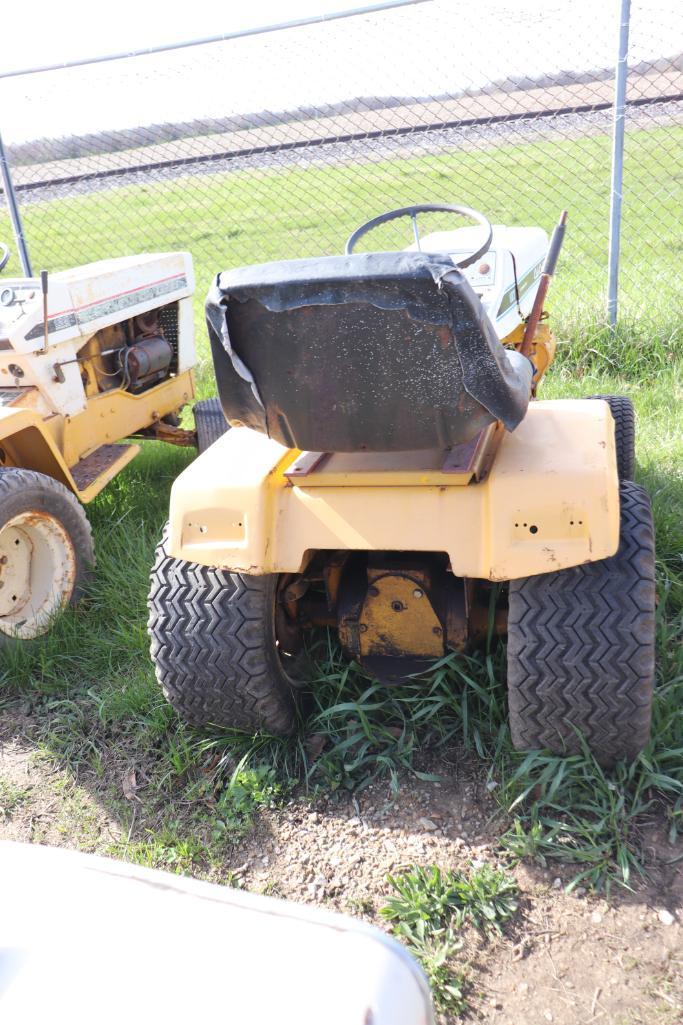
column 215, row 649
column 581, row 647
column 46, row 552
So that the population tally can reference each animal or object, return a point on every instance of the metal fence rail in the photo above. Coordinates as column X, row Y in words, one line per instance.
column 278, row 144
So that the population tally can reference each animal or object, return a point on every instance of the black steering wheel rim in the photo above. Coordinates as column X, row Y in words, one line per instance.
column 422, row 208
column 4, row 255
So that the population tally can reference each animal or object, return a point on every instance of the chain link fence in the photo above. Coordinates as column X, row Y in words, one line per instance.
column 278, row 145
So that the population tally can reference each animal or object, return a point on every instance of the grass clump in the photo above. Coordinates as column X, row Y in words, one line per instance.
column 487, row 898
column 201, row 813
column 170, row 848
column 11, row 798
column 249, row 791
column 436, row 951
column 429, row 908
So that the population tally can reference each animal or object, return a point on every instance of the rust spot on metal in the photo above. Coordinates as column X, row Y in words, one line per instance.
column 396, row 622
column 306, row 463
column 475, row 456
column 98, row 462
column 459, row 459
column 444, row 337
column 287, row 629
column 172, row 435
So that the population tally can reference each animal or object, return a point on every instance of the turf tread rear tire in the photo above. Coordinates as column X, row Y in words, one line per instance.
column 210, row 422
column 624, row 417
column 581, row 647
column 213, row 646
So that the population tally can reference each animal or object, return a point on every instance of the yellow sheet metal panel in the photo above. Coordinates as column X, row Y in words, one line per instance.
column 116, row 414
column 27, row 440
column 543, row 347
column 550, row 501
column 54, row 444
column 392, row 469
column 411, row 629
column 224, row 505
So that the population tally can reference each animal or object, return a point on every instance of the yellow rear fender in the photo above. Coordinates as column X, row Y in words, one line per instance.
column 549, row 501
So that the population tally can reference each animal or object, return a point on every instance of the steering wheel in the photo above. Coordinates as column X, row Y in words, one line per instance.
column 4, row 255
column 423, row 208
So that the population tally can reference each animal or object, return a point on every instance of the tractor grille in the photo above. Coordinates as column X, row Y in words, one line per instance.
column 168, row 322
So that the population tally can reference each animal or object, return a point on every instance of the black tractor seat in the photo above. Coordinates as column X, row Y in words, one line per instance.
column 376, row 352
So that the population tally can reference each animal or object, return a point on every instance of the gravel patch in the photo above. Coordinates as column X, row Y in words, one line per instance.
column 417, row 144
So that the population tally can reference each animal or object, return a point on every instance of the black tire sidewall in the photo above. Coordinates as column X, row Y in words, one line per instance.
column 624, row 418
column 210, row 423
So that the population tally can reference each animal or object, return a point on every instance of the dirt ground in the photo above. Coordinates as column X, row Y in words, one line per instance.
column 568, row 959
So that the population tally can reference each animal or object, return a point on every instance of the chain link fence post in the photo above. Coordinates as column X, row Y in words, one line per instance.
column 13, row 209
column 616, row 187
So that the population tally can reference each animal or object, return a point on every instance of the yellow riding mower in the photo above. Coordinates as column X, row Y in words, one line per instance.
column 90, row 357
column 390, row 474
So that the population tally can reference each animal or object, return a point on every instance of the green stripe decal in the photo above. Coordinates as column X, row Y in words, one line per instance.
column 525, row 283
column 108, row 306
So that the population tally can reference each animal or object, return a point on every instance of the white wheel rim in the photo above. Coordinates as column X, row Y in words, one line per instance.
column 37, row 573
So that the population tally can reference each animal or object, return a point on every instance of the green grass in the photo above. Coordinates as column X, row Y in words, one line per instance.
column 486, row 898
column 428, row 910
column 437, row 953
column 226, row 220
column 89, row 686
column 11, row 797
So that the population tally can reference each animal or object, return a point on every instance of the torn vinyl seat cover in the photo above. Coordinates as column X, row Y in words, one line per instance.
column 375, row 352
